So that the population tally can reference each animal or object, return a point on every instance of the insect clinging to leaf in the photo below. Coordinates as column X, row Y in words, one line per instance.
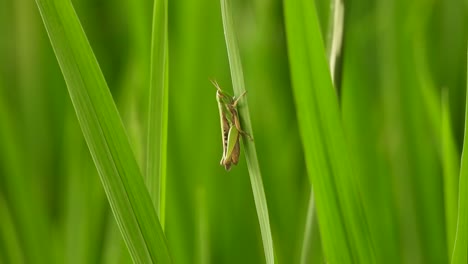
column 230, row 126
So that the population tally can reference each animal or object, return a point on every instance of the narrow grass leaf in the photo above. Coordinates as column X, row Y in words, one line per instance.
column 238, row 84
column 306, row 254
column 440, row 123
column 335, row 35
column 345, row 232
column 334, row 47
column 334, row 237
column 460, row 252
column 105, row 135
column 451, row 166
column 158, row 110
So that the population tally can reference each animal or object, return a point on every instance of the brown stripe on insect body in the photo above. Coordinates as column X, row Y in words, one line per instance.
column 230, row 127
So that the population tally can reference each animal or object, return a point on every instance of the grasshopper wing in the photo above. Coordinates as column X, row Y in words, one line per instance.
column 232, row 142
column 235, row 153
column 225, row 133
column 224, row 123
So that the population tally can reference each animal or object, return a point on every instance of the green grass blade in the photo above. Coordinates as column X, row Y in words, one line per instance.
column 132, row 100
column 451, row 165
column 158, row 111
column 335, row 35
column 439, row 119
column 334, row 47
column 460, row 252
column 441, row 125
column 105, row 135
column 345, row 233
column 249, row 146
column 334, row 238
column 306, row 254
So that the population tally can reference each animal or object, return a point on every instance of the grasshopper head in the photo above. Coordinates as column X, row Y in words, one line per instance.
column 225, row 97
column 219, row 92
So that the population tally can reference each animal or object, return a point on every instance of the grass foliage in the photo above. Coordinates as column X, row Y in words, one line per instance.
column 111, row 143
column 238, row 85
column 460, row 254
column 105, row 135
column 327, row 152
column 158, row 110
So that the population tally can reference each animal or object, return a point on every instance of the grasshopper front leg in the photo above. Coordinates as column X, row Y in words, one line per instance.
column 234, row 104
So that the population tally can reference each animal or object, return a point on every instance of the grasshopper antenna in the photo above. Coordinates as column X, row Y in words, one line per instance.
column 215, row 83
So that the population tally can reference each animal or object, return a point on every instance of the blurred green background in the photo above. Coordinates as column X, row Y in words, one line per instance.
column 52, row 205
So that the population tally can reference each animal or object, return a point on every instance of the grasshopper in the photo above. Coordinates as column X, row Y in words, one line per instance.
column 230, row 126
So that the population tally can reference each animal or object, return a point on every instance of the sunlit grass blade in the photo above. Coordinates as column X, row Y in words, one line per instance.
column 460, row 252
column 238, row 85
column 440, row 120
column 334, row 238
column 334, row 48
column 105, row 135
column 335, row 35
column 451, row 166
column 132, row 100
column 437, row 110
column 306, row 254
column 158, row 111
column 345, row 233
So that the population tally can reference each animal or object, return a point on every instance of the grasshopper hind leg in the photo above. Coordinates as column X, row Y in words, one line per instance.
column 236, row 153
column 242, row 132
